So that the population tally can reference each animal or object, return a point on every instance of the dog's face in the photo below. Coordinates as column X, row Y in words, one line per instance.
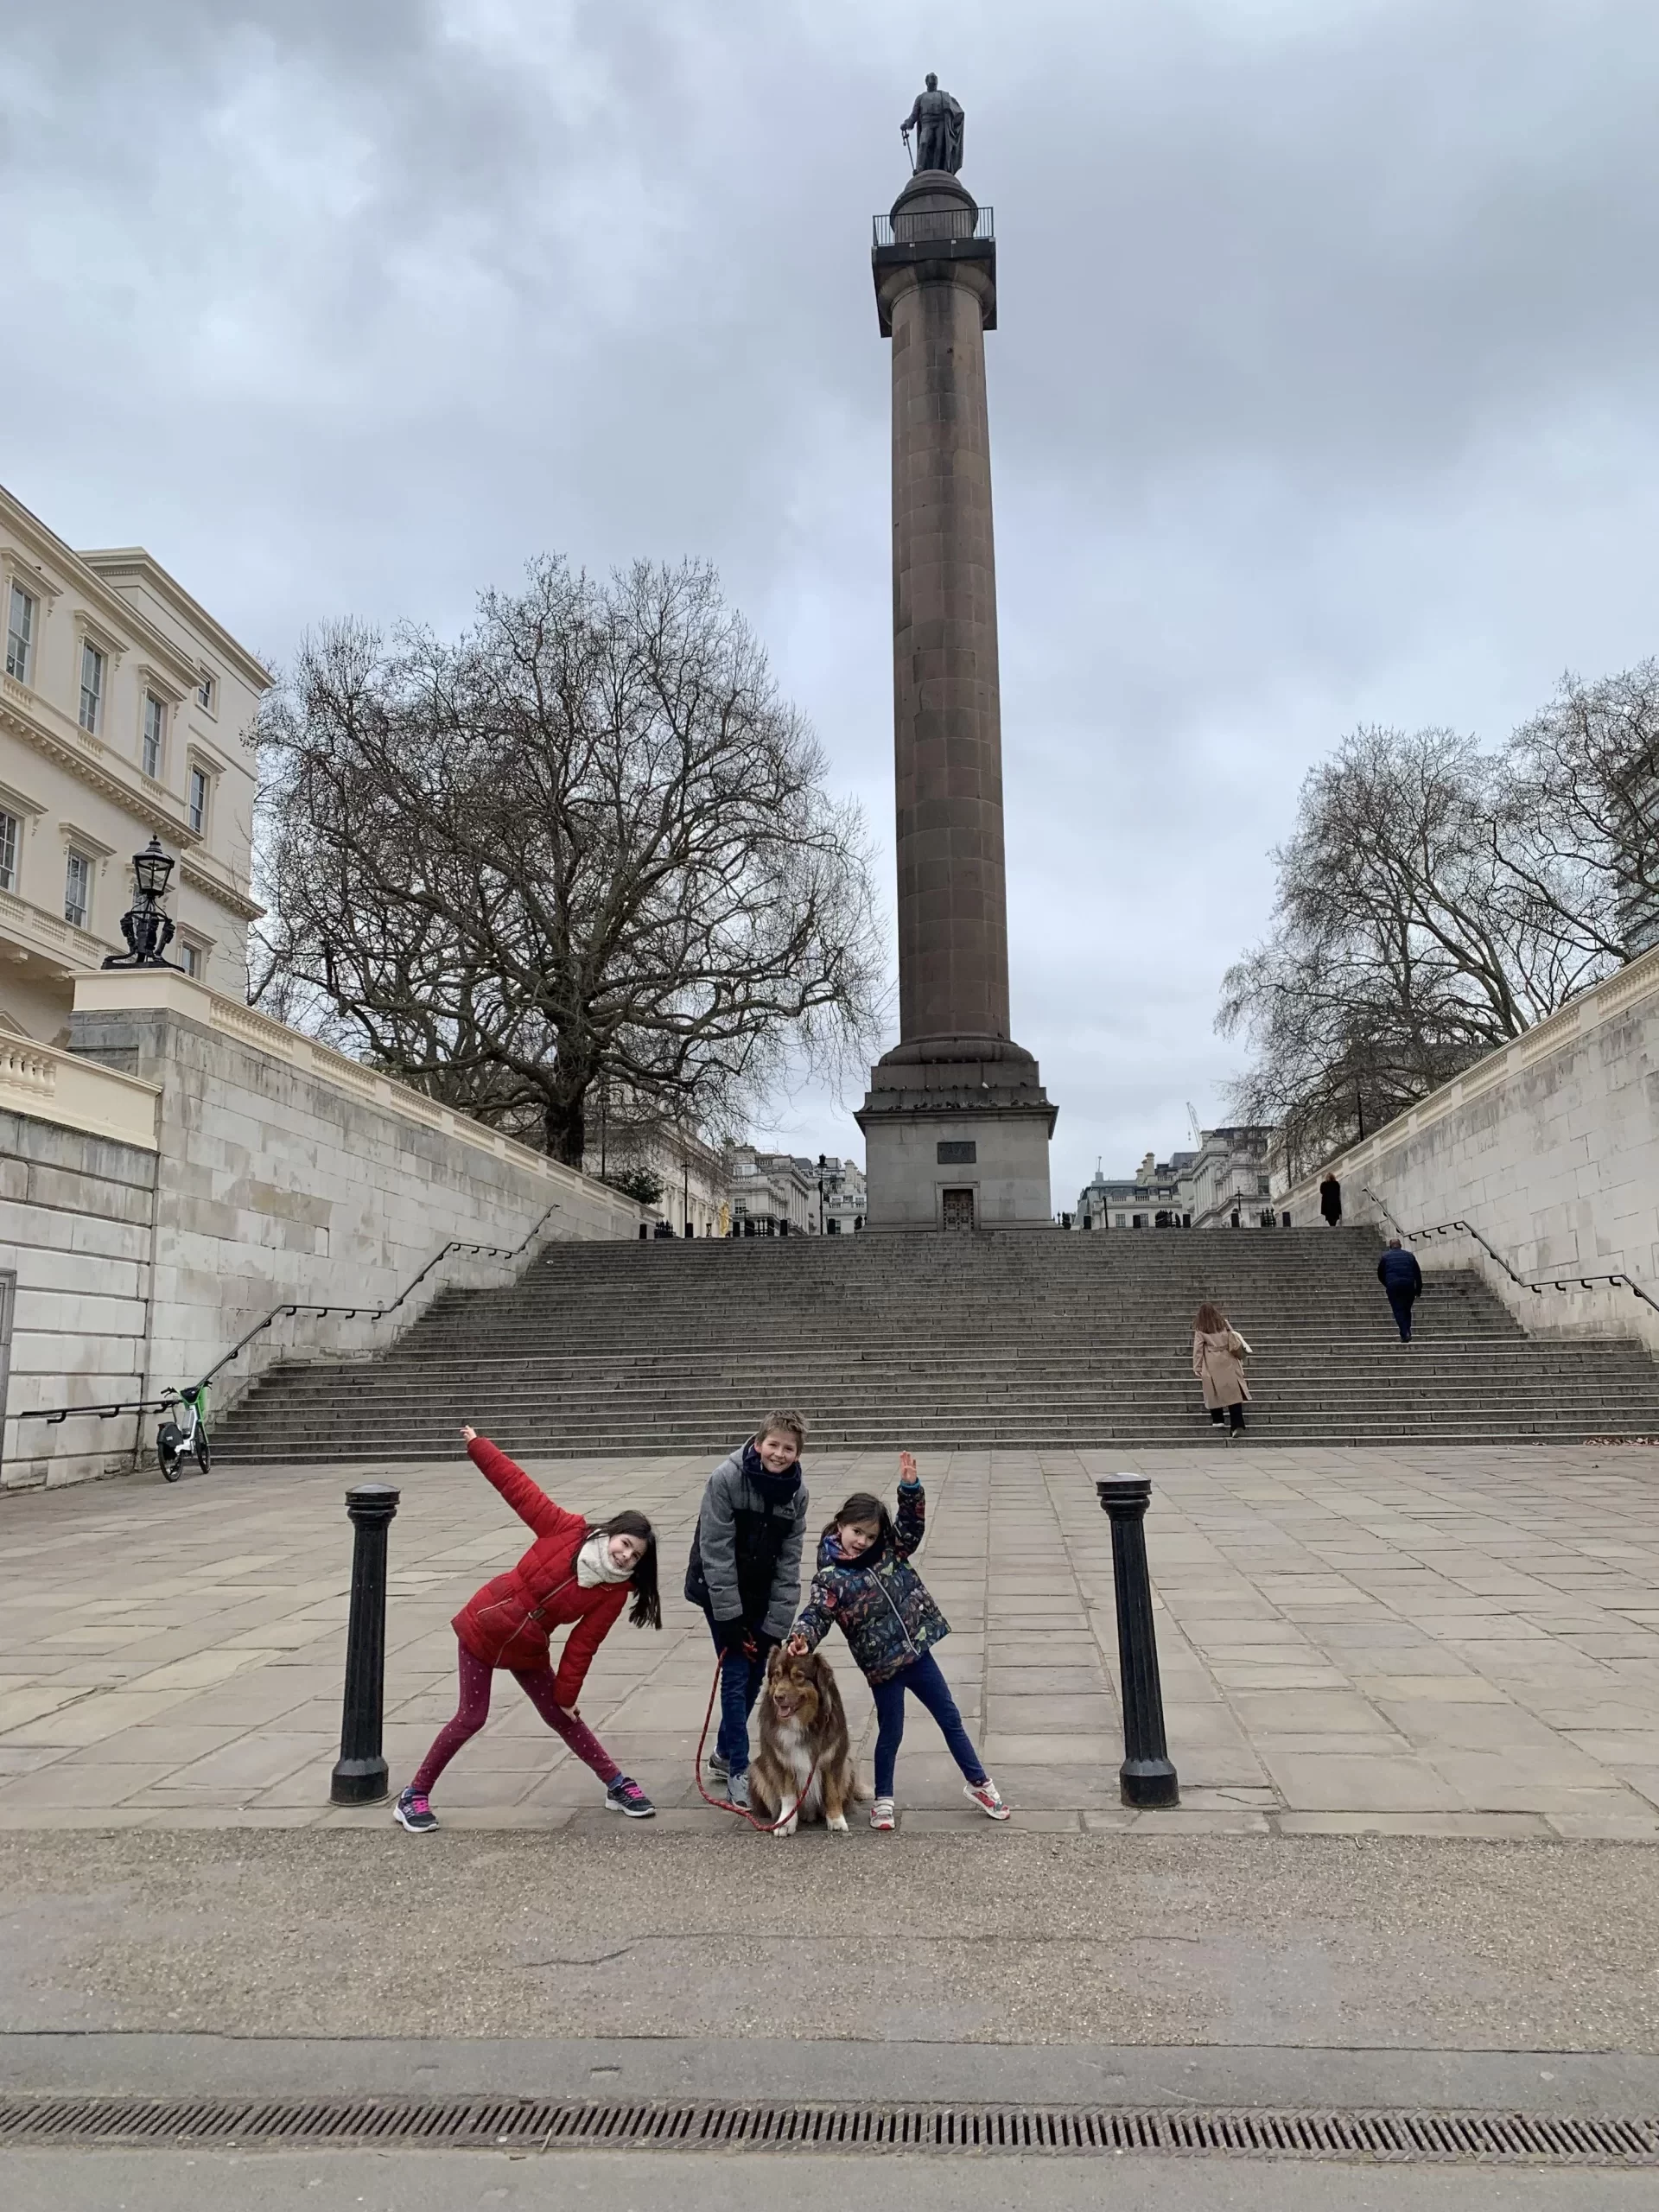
column 792, row 1686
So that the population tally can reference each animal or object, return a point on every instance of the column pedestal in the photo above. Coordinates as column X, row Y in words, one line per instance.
column 956, row 1136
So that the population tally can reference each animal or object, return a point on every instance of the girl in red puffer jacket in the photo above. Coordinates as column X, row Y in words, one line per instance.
column 573, row 1573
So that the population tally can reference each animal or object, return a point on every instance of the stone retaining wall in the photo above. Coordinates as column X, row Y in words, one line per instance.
column 1549, row 1148
column 280, row 1170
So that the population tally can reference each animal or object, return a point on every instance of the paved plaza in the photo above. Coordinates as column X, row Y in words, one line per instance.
column 1429, row 1643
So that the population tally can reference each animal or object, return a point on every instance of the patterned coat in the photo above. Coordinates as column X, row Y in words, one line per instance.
column 884, row 1611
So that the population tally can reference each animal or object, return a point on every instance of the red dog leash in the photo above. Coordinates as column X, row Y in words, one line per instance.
column 724, row 1804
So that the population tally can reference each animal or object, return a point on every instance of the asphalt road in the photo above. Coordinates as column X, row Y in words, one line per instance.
column 1006, row 1938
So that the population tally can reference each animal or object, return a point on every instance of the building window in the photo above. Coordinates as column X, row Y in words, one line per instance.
column 155, row 730
column 10, row 829
column 207, row 692
column 77, row 889
column 190, row 959
column 199, row 789
column 93, row 667
column 20, row 633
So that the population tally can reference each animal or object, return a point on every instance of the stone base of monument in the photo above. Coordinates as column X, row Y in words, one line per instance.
column 956, row 1136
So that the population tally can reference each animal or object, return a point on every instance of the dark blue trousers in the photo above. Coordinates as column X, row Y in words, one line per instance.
column 1402, row 1301
column 740, row 1686
column 927, row 1685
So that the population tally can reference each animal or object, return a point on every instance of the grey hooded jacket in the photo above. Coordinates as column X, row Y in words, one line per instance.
column 746, row 1556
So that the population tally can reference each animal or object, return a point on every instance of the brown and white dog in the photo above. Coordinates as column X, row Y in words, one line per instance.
column 802, row 1731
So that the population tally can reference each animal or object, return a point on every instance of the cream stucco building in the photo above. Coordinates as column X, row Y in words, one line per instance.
column 125, row 712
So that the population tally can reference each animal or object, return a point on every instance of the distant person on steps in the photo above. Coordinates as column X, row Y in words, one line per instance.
column 1400, row 1277
column 1331, row 1201
column 1219, row 1353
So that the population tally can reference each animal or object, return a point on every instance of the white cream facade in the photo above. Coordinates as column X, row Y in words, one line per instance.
column 126, row 711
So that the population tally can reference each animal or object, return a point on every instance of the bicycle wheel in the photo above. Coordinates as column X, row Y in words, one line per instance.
column 167, row 1451
column 204, row 1456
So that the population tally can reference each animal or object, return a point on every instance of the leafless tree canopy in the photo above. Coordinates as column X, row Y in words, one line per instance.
column 587, row 843
column 1581, row 808
column 1435, row 902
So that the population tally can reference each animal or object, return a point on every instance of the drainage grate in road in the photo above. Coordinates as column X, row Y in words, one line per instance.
column 540, row 2124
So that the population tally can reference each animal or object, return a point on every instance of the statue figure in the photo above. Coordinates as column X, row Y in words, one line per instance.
column 937, row 121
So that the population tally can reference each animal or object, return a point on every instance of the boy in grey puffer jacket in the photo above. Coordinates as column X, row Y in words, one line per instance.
column 745, row 1572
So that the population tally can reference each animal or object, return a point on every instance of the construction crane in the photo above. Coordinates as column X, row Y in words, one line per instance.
column 1192, row 1123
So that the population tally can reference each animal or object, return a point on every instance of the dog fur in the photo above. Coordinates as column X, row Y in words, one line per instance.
column 802, row 1720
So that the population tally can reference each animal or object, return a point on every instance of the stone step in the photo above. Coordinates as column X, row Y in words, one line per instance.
column 958, row 1341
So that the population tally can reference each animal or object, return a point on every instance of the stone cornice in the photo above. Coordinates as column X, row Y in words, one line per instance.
column 93, row 762
column 115, row 613
column 222, row 894
column 132, row 560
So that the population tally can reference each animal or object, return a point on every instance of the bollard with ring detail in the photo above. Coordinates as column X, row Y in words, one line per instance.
column 361, row 1776
column 1146, row 1777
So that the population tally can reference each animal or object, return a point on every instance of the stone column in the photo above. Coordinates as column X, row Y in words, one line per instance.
column 953, row 936
column 957, row 1122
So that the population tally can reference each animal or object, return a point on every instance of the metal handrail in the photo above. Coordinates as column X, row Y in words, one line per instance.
column 1538, row 1288
column 56, row 1414
column 925, row 226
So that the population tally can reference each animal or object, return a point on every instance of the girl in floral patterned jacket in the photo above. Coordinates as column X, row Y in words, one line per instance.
column 865, row 1582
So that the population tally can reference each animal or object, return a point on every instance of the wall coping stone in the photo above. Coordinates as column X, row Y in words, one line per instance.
column 143, row 990
column 48, row 1086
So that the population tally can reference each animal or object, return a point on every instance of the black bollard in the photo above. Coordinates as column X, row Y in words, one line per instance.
column 359, row 1777
column 1145, row 1776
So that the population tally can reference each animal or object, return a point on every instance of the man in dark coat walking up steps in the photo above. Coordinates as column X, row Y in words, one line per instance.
column 1400, row 1277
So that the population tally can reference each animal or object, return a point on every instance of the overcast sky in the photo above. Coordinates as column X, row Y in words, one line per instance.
column 1323, row 391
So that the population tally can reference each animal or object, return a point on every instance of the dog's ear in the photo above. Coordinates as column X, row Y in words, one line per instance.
column 774, row 1660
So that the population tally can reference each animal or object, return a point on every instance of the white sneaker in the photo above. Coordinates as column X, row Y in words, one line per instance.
column 882, row 1814
column 987, row 1798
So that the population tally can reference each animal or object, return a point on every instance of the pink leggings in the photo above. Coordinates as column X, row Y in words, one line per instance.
column 537, row 1683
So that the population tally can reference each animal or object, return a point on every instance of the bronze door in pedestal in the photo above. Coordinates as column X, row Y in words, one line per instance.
column 958, row 1209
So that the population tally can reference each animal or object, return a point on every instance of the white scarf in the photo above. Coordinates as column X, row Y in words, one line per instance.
column 594, row 1565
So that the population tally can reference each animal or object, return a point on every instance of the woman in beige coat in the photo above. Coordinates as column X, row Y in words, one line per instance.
column 1219, row 1353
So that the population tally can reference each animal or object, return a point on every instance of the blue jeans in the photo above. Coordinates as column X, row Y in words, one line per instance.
column 924, row 1681
column 740, row 1686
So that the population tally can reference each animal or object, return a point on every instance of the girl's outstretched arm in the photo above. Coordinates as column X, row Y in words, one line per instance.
column 528, row 1499
column 910, row 1523
column 817, row 1615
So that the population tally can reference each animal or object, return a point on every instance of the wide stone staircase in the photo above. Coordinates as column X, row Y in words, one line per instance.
column 945, row 1340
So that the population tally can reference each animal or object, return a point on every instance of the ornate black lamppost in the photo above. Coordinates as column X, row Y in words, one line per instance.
column 148, row 930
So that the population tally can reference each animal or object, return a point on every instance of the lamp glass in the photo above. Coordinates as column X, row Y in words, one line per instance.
column 152, row 867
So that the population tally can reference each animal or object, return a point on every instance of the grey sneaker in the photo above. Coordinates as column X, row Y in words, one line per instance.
column 737, row 1790
column 719, row 1768
column 412, row 1812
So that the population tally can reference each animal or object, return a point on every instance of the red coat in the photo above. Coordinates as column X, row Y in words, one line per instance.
column 506, row 1623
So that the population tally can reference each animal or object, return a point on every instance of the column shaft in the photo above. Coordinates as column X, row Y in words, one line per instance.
column 953, row 944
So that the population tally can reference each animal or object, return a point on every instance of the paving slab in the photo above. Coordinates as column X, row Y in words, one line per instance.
column 1469, row 1636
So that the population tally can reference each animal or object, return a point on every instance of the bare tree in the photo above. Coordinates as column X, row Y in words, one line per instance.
column 587, row 843
column 1406, row 940
column 1580, row 815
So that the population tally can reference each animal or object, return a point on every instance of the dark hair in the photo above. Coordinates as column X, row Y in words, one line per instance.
column 1210, row 1319
column 646, row 1610
column 863, row 1507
